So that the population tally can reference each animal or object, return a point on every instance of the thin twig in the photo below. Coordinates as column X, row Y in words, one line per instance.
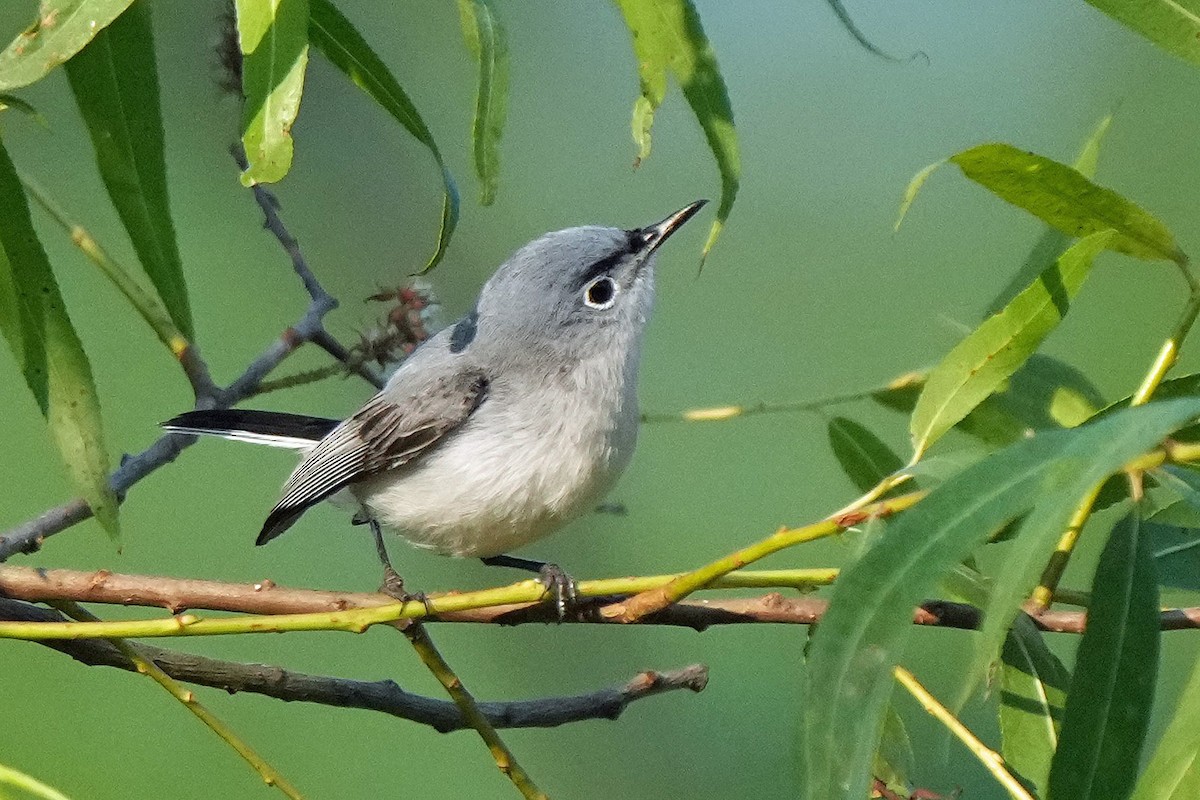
column 992, row 761
column 381, row 696
column 517, row 604
column 29, row 536
column 146, row 666
column 506, row 762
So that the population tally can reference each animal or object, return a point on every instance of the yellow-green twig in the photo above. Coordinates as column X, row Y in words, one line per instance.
column 145, row 666
column 660, row 597
column 28, row 783
column 505, row 761
column 1168, row 355
column 359, row 619
column 146, row 304
column 991, row 760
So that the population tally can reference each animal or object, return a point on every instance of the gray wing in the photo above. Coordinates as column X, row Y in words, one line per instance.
column 390, row 430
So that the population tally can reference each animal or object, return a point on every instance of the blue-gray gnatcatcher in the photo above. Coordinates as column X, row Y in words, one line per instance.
column 500, row 428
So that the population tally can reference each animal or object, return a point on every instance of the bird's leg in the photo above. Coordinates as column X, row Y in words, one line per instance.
column 393, row 584
column 558, row 583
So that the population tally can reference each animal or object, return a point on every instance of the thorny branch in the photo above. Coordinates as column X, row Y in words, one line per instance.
column 382, row 696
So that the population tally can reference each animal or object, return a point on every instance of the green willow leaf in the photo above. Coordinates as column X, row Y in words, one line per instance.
column 980, row 363
column 62, row 29
column 868, row 623
column 1112, row 689
column 1172, row 25
column 864, row 457
column 488, row 43
column 34, row 321
column 668, row 37
column 115, row 83
column 273, row 37
column 1051, row 244
column 1173, row 772
column 341, row 43
column 1033, row 688
column 1063, row 198
column 910, row 191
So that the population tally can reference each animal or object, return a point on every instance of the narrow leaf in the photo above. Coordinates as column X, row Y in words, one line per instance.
column 847, row 22
column 488, row 43
column 864, row 457
column 869, row 618
column 115, row 82
column 273, row 37
column 1062, row 197
column 340, row 42
column 8, row 101
column 980, row 363
column 1112, row 690
column 910, row 191
column 1033, row 688
column 667, row 36
column 34, row 321
column 1172, row 25
column 1174, row 770
column 61, row 30
column 1051, row 244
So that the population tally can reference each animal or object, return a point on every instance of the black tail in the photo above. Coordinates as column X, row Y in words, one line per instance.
column 261, row 427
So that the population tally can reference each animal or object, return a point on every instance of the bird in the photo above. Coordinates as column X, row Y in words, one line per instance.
column 500, row 428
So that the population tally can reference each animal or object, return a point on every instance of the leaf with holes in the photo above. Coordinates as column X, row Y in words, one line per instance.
column 273, row 38
column 62, row 29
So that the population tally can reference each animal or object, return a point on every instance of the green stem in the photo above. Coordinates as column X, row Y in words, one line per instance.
column 659, row 598
column 1167, row 357
column 992, row 761
column 185, row 696
column 146, row 304
column 505, row 761
column 359, row 619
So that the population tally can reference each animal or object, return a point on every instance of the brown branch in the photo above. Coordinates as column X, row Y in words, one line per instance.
column 176, row 595
column 382, row 696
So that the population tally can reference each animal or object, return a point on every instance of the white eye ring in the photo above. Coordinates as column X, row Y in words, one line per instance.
column 601, row 293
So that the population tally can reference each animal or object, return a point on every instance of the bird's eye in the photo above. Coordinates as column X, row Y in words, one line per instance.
column 600, row 293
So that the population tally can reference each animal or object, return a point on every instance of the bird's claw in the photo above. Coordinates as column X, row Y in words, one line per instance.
column 560, row 586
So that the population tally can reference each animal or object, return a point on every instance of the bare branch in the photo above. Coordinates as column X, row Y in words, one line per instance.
column 383, row 696
column 176, row 595
column 29, row 536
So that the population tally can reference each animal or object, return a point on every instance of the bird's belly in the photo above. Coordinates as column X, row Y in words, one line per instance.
column 481, row 495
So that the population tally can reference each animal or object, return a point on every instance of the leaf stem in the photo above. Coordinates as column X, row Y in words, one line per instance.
column 722, row 413
column 143, row 301
column 144, row 665
column 505, row 761
column 992, row 761
column 1168, row 355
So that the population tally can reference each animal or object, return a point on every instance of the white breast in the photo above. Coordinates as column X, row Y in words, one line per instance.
column 524, row 464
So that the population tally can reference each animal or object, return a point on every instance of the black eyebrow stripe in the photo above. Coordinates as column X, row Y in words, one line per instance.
column 633, row 242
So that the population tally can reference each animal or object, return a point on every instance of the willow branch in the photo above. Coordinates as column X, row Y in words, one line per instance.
column 498, row 606
column 145, row 666
column 381, row 696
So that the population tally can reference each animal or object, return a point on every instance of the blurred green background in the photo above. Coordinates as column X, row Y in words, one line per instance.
column 809, row 293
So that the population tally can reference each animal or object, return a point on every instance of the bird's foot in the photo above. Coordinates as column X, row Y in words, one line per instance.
column 560, row 586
